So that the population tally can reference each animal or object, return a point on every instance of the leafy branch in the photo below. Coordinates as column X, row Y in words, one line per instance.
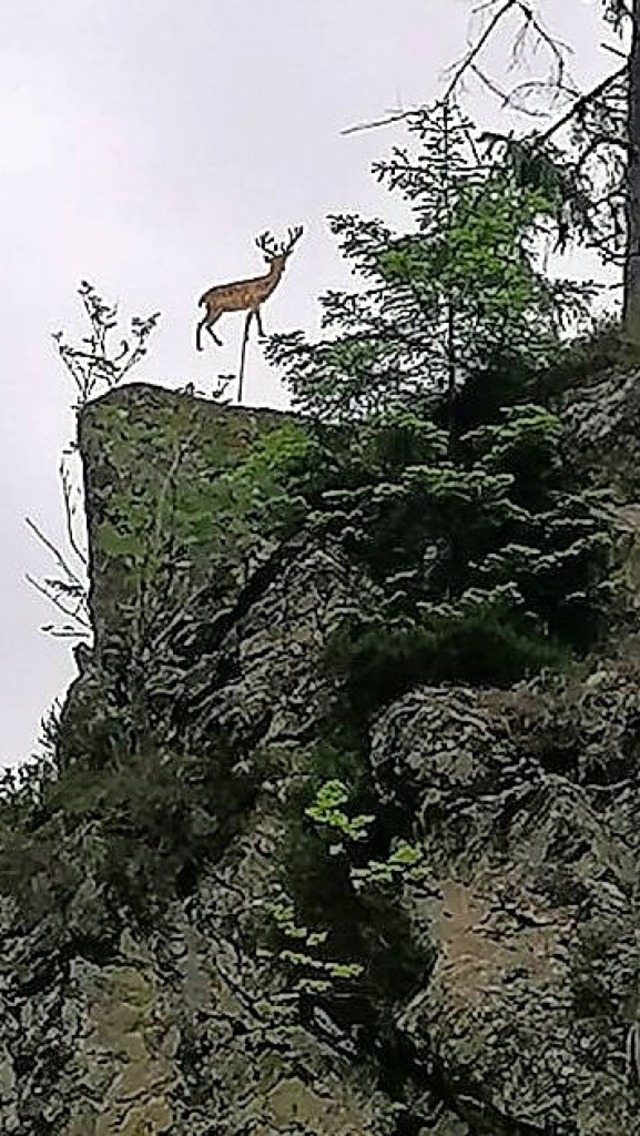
column 92, row 363
column 89, row 365
column 302, row 951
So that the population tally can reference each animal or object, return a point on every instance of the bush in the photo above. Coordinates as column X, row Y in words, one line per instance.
column 135, row 834
column 369, row 929
column 379, row 664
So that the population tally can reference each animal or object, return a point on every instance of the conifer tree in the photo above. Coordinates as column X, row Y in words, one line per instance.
column 430, row 462
column 438, row 300
column 594, row 171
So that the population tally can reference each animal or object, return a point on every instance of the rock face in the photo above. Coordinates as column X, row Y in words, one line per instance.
column 602, row 419
column 526, row 1017
column 533, row 853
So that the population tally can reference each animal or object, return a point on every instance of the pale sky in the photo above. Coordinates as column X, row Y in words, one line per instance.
column 143, row 145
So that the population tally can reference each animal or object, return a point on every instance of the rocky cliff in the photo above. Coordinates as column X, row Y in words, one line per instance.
column 137, row 994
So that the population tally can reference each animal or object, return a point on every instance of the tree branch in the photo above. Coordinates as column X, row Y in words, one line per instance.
column 70, row 574
column 468, row 61
column 582, row 102
column 477, row 47
column 397, row 116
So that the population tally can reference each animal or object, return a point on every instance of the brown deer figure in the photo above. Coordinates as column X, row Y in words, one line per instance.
column 247, row 295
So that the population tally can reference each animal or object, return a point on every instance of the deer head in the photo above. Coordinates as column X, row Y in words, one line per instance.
column 276, row 254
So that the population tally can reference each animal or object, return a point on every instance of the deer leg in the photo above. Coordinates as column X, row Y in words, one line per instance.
column 260, row 327
column 209, row 325
column 206, row 321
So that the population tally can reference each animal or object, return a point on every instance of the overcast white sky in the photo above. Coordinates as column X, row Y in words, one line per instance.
column 143, row 144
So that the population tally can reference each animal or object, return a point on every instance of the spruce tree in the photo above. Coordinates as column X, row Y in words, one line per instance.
column 434, row 303
column 429, row 460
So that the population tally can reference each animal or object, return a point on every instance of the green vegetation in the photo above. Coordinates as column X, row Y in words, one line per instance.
column 83, row 847
column 448, row 302
column 338, row 934
column 434, row 460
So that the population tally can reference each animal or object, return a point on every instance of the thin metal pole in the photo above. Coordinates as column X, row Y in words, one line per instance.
column 243, row 352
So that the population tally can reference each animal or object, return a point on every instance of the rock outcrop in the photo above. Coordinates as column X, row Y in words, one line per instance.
column 525, row 1017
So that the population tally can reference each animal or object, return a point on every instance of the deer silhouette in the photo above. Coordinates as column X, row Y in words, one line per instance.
column 247, row 295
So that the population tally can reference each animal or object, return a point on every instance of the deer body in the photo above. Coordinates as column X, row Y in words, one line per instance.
column 246, row 295
column 242, row 294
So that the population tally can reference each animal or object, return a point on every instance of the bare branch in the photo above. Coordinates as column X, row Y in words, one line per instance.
column 552, row 89
column 614, row 50
column 477, row 47
column 505, row 97
column 392, row 116
column 53, row 550
column 76, row 614
column 69, row 512
column 468, row 62
column 582, row 102
column 555, row 46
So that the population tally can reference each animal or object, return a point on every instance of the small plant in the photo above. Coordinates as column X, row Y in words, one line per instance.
column 307, row 967
column 309, row 973
column 89, row 365
column 326, row 812
column 93, row 363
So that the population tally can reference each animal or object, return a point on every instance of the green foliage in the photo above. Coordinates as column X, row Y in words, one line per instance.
column 487, row 648
column 493, row 537
column 482, row 560
column 326, row 810
column 344, row 863
column 308, row 972
column 194, row 507
column 437, row 301
column 121, row 838
column 478, row 561
column 208, row 503
column 405, row 862
column 361, row 940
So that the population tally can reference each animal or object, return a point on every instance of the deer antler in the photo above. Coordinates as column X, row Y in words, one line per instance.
column 267, row 245
column 272, row 249
column 294, row 235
